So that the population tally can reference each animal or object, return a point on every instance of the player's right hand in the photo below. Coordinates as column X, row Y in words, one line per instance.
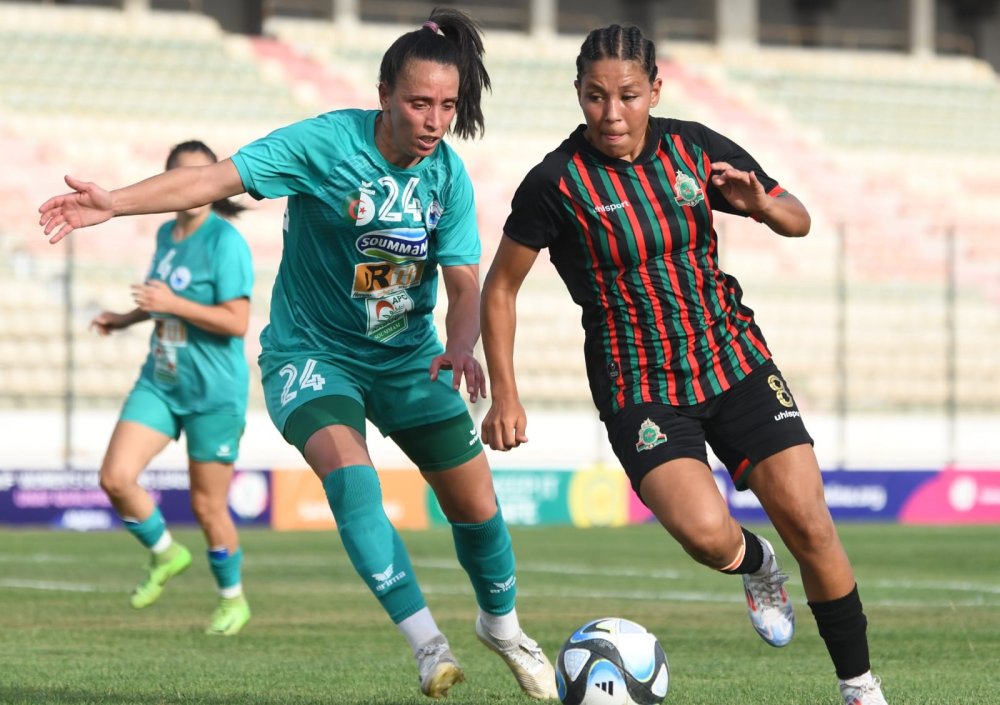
column 105, row 322
column 505, row 424
column 89, row 204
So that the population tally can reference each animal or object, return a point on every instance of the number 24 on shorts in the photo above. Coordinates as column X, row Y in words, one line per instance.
column 309, row 379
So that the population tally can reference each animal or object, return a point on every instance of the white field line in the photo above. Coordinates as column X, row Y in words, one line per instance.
column 977, row 594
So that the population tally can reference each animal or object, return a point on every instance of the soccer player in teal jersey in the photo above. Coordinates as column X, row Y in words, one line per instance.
column 378, row 207
column 194, row 380
column 674, row 358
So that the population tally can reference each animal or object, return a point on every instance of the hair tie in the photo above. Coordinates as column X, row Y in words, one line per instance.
column 432, row 26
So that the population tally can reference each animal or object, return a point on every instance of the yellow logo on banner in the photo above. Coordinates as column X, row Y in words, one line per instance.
column 598, row 496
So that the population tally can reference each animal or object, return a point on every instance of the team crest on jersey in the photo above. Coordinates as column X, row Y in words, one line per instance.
column 687, row 192
column 180, row 279
column 395, row 245
column 434, row 213
column 650, row 436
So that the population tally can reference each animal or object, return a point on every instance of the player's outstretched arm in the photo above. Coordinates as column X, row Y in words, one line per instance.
column 173, row 190
column 784, row 214
column 462, row 330
column 505, row 424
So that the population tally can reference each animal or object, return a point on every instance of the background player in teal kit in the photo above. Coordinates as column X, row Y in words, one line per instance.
column 378, row 204
column 194, row 380
column 626, row 206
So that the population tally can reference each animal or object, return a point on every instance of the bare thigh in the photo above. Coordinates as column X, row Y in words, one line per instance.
column 683, row 496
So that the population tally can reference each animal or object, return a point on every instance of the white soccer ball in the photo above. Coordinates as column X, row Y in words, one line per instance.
column 612, row 661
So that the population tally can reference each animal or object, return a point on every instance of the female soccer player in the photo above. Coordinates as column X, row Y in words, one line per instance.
column 674, row 358
column 195, row 379
column 376, row 201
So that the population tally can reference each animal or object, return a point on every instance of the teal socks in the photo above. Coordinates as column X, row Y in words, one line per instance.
column 371, row 541
column 486, row 553
column 149, row 531
column 226, row 567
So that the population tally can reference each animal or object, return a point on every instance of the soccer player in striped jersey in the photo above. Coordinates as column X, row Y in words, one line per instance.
column 625, row 206
column 195, row 379
column 378, row 204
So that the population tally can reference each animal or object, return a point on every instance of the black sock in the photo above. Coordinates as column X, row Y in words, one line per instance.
column 843, row 625
column 753, row 556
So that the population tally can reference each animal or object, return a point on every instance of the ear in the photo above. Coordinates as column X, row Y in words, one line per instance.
column 383, row 95
column 576, row 86
column 654, row 95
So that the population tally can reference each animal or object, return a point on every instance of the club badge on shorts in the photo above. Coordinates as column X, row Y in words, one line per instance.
column 650, row 436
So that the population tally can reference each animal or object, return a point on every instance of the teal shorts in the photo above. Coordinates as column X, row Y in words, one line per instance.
column 394, row 397
column 211, row 438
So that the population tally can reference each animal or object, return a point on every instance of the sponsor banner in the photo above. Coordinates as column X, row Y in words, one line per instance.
column 73, row 499
column 599, row 496
column 955, row 496
column 851, row 494
column 300, row 502
column 528, row 497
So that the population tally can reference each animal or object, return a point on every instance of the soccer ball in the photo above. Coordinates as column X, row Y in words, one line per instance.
column 612, row 661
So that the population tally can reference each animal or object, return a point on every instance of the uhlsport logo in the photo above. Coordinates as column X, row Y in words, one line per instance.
column 650, row 436
column 611, row 208
column 687, row 192
column 396, row 245
column 387, row 578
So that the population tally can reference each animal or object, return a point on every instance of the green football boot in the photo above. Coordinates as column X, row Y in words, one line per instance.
column 162, row 567
column 230, row 616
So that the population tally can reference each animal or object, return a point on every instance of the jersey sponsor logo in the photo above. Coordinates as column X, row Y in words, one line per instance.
column 650, row 436
column 612, row 207
column 380, row 279
column 171, row 331
column 781, row 416
column 180, row 278
column 395, row 245
column 687, row 192
column 387, row 315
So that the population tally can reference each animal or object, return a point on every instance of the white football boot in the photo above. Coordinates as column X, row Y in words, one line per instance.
column 768, row 604
column 438, row 668
column 869, row 693
column 526, row 660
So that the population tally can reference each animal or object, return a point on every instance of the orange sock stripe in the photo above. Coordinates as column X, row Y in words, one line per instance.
column 739, row 556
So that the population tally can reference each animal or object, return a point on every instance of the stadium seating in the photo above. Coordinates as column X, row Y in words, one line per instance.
column 869, row 141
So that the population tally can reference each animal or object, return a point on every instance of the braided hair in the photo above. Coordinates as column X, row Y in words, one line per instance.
column 617, row 42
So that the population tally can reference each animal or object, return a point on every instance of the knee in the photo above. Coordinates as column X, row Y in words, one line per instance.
column 206, row 508
column 711, row 540
column 115, row 482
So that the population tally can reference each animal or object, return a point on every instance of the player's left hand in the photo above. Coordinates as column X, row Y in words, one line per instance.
column 462, row 364
column 740, row 188
column 154, row 296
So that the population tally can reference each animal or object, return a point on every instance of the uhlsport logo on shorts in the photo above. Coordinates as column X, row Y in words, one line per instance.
column 650, row 436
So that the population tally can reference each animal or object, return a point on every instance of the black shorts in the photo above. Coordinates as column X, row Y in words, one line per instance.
column 747, row 423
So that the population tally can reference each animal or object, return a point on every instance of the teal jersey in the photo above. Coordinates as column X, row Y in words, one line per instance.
column 362, row 238
column 195, row 371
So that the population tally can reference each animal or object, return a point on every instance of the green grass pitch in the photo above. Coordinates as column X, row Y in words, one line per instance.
column 68, row 636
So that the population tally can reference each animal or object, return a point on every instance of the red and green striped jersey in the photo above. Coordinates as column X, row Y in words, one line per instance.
column 636, row 246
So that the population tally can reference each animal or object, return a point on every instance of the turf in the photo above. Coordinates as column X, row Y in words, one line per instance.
column 67, row 634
